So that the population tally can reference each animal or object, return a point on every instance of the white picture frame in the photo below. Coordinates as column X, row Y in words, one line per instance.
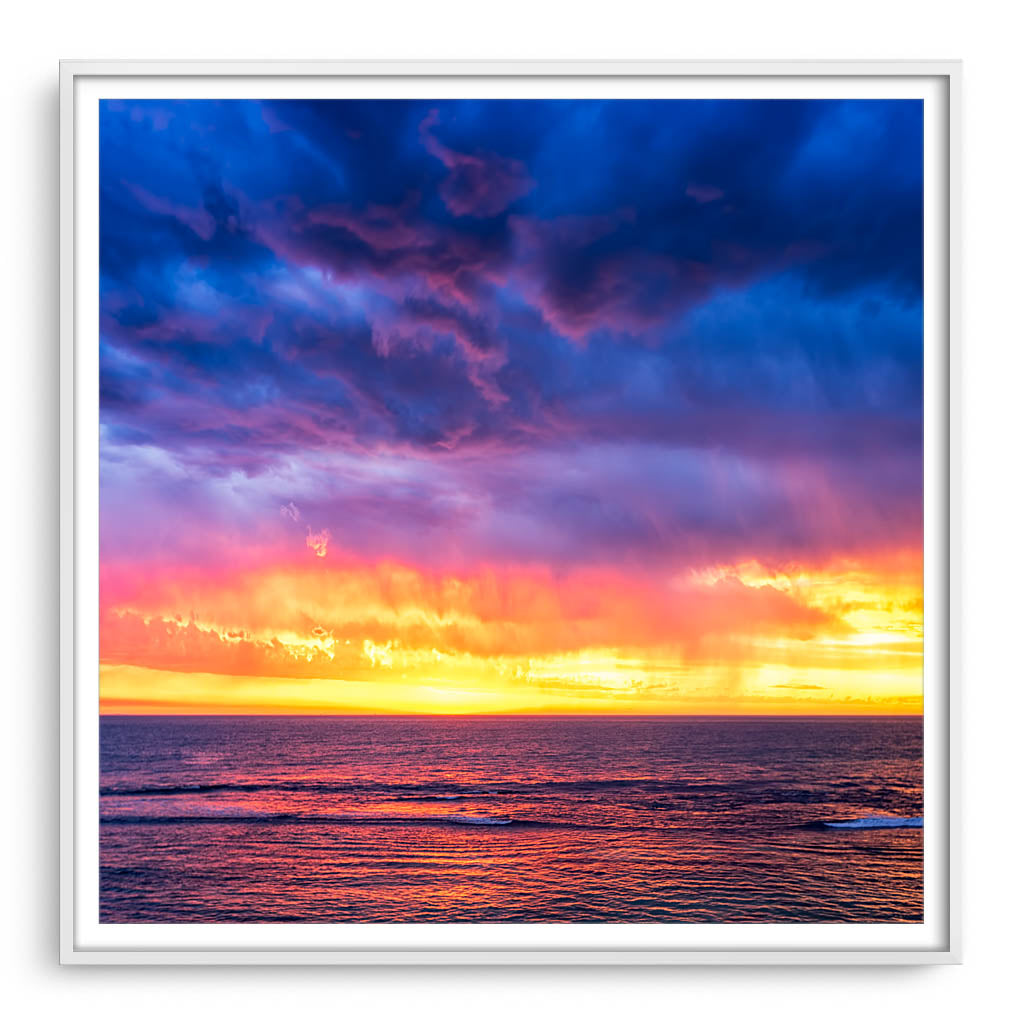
column 83, row 940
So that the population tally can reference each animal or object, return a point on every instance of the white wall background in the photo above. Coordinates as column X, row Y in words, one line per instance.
column 987, row 35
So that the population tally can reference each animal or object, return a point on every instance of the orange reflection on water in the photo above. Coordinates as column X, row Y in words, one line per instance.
column 509, row 819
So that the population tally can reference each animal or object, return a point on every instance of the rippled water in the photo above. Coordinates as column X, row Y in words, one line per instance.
column 510, row 819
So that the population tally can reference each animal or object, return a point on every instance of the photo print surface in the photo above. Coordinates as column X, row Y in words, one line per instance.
column 511, row 511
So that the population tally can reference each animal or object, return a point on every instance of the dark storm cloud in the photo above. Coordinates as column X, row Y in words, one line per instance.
column 494, row 279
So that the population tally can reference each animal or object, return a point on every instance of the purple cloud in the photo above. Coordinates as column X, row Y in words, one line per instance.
column 477, row 185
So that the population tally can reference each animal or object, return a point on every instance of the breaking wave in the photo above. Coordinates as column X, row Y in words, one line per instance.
column 876, row 822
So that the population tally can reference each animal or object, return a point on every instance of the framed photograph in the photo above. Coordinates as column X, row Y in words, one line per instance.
column 508, row 512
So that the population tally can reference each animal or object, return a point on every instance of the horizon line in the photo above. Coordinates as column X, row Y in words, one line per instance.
column 500, row 714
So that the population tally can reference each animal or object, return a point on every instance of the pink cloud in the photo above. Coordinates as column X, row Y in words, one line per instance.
column 478, row 185
column 198, row 220
column 385, row 228
column 704, row 193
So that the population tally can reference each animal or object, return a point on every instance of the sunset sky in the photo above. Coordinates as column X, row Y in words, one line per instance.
column 496, row 406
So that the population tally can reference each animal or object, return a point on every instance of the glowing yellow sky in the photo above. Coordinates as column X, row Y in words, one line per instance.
column 347, row 636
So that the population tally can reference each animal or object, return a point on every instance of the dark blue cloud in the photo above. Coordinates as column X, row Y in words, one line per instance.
column 738, row 279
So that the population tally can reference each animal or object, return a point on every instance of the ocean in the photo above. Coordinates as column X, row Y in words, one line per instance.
column 320, row 819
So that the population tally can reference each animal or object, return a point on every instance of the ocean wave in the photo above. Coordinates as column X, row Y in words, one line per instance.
column 448, row 790
column 876, row 822
column 385, row 790
column 392, row 791
column 479, row 819
column 240, row 817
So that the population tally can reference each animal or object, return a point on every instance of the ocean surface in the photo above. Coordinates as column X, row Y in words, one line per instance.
column 510, row 819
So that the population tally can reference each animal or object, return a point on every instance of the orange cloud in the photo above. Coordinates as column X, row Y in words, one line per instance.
column 386, row 635
column 318, row 542
column 297, row 620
